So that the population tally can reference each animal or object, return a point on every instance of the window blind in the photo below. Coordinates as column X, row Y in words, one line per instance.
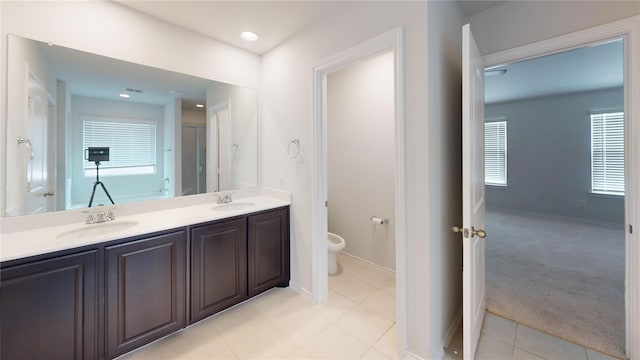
column 607, row 153
column 495, row 153
column 132, row 145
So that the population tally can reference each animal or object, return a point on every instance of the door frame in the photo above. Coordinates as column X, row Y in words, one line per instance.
column 392, row 40
column 629, row 30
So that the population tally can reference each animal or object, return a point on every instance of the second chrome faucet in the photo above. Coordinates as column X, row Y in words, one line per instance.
column 224, row 199
column 101, row 216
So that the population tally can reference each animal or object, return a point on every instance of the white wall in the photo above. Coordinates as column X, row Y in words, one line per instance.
column 516, row 23
column 172, row 148
column 244, row 131
column 445, row 171
column 361, row 158
column 549, row 156
column 432, row 183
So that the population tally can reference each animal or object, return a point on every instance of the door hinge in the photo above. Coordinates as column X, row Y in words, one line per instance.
column 326, row 203
column 630, row 229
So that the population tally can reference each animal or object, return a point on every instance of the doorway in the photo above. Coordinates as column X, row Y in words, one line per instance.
column 390, row 41
column 628, row 31
column 554, row 177
column 360, row 159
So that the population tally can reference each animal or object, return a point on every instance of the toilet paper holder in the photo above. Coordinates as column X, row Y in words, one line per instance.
column 379, row 221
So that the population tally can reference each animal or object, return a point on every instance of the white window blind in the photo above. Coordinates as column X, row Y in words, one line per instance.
column 495, row 153
column 607, row 153
column 132, row 145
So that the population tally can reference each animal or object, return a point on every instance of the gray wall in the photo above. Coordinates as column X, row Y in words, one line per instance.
column 516, row 23
column 549, row 159
column 360, row 158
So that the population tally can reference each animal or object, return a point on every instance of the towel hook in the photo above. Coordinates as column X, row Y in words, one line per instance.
column 23, row 140
column 293, row 149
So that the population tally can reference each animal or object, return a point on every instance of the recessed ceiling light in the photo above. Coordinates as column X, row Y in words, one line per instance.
column 126, row 96
column 199, row 105
column 249, row 36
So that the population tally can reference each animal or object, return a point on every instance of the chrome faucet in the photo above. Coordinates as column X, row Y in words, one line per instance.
column 225, row 199
column 101, row 216
column 111, row 215
column 90, row 218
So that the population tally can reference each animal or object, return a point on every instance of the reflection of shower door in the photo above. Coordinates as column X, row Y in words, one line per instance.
column 194, row 148
column 219, row 141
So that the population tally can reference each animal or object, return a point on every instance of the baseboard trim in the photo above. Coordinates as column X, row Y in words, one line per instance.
column 372, row 264
column 300, row 290
column 451, row 332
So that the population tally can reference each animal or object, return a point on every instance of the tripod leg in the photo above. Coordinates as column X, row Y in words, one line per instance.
column 106, row 192
column 93, row 193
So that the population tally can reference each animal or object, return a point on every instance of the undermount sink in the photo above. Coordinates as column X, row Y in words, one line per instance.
column 233, row 206
column 97, row 229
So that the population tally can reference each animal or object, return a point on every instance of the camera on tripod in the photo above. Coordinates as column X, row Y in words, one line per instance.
column 97, row 154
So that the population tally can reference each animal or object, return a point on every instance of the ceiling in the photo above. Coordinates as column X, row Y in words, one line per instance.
column 587, row 68
column 103, row 77
column 273, row 21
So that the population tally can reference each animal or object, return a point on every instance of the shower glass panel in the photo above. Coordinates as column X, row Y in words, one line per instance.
column 194, row 160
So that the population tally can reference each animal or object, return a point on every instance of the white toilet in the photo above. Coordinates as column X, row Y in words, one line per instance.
column 335, row 243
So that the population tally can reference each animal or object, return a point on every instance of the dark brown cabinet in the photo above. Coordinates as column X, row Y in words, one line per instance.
column 49, row 308
column 218, row 267
column 144, row 291
column 268, row 250
column 104, row 300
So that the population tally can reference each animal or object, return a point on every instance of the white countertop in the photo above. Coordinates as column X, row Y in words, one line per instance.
column 19, row 240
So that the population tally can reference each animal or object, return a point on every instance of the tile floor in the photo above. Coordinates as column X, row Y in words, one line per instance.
column 357, row 322
column 504, row 339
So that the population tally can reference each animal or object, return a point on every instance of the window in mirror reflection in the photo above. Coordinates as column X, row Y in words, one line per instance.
column 132, row 144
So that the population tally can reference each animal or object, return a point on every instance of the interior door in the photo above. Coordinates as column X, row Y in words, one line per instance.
column 473, row 198
column 37, row 128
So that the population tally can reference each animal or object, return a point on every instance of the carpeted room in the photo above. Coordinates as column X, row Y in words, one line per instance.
column 555, row 256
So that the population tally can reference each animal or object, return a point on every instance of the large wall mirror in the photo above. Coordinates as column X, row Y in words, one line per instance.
column 168, row 134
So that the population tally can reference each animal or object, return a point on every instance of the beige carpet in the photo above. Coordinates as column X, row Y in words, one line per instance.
column 563, row 277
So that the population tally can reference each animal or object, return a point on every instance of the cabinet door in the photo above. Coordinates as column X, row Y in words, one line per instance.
column 49, row 309
column 145, row 291
column 268, row 251
column 218, row 267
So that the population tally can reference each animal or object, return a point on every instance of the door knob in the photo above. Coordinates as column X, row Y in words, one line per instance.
column 465, row 232
column 48, row 193
column 459, row 229
column 479, row 233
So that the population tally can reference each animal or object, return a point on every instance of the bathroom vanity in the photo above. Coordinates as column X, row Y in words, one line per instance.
column 130, row 287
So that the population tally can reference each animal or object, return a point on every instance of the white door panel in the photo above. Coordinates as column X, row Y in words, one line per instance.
column 473, row 203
